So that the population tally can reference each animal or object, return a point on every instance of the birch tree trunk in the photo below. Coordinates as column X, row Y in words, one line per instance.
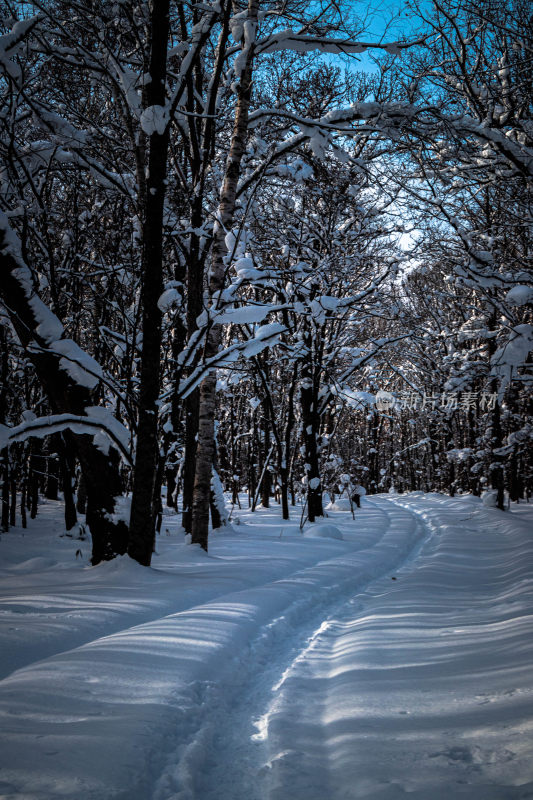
column 206, row 423
column 197, row 256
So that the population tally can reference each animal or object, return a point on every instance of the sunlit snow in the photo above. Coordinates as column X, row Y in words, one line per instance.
column 393, row 662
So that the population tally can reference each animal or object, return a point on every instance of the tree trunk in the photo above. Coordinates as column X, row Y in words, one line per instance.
column 4, row 456
column 142, row 520
column 23, row 491
column 204, row 461
column 157, row 504
column 13, row 505
column 52, row 477
column 224, row 221
column 192, row 419
column 496, row 465
column 216, row 519
column 34, row 480
column 170, row 478
column 309, row 434
column 66, row 469
column 283, row 465
column 81, row 496
column 266, row 482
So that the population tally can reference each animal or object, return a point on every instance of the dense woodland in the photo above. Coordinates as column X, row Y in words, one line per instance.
column 221, row 236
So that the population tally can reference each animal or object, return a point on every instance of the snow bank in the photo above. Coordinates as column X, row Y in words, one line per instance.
column 340, row 504
column 323, row 532
column 490, row 498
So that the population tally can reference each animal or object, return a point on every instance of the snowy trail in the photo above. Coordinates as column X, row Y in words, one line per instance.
column 386, row 699
column 314, row 675
column 232, row 730
column 126, row 700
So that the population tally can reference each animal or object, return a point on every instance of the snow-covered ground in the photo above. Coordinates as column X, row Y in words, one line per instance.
column 379, row 658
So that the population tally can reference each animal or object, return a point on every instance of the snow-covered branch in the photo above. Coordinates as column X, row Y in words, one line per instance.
column 95, row 422
column 303, row 43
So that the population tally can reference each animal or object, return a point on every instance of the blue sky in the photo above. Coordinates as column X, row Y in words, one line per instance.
column 385, row 21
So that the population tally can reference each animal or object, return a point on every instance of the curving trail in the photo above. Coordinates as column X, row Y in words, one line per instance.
column 227, row 756
column 394, row 663
column 422, row 686
column 419, row 686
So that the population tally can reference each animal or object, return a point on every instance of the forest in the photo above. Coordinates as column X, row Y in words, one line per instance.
column 248, row 248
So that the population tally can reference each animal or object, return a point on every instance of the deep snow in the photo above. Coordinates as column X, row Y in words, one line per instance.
column 277, row 666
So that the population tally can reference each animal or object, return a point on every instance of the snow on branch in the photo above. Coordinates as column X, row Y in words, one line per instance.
column 97, row 421
column 428, row 120
column 513, row 353
column 265, row 336
column 380, row 117
column 337, row 388
column 10, row 44
column 47, row 326
column 246, row 314
column 516, row 153
column 68, row 145
column 79, row 365
column 383, row 116
column 198, row 37
column 48, row 331
column 75, row 373
column 301, row 43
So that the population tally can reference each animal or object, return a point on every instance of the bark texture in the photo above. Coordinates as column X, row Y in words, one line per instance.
column 142, row 520
column 205, row 452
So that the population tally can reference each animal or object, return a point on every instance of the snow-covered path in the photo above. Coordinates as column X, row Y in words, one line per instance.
column 293, row 667
column 291, row 611
column 421, row 686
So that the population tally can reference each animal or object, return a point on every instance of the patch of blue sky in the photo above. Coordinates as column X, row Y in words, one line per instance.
column 381, row 21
